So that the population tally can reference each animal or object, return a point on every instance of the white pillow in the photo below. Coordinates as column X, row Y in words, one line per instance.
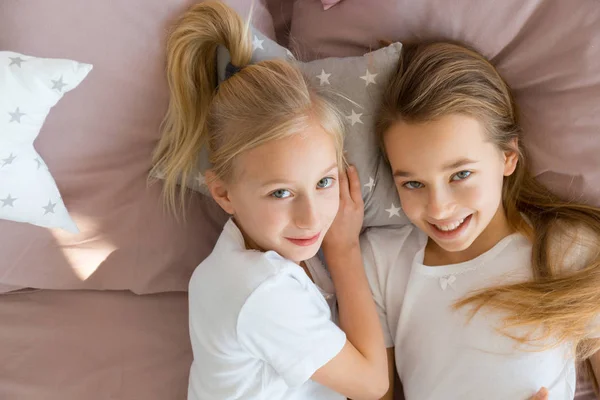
column 29, row 88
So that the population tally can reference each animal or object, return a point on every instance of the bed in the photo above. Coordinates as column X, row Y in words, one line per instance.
column 102, row 314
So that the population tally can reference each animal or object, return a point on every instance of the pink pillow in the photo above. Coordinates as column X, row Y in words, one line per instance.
column 97, row 143
column 549, row 51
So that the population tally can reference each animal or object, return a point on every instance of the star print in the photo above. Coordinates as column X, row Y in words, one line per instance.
column 200, row 179
column 58, row 84
column 354, row 118
column 257, row 43
column 16, row 116
column 370, row 184
column 369, row 78
column 16, row 61
column 49, row 208
column 9, row 160
column 8, row 201
column 39, row 163
column 323, row 77
column 393, row 210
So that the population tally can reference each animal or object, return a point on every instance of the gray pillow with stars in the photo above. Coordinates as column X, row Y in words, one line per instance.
column 360, row 82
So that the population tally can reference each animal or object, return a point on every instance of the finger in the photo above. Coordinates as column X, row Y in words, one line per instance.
column 354, row 185
column 344, row 190
column 541, row 395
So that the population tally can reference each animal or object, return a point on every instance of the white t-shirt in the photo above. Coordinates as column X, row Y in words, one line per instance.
column 439, row 353
column 259, row 326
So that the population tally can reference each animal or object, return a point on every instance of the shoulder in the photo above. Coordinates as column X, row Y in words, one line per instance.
column 386, row 246
column 235, row 274
column 388, row 254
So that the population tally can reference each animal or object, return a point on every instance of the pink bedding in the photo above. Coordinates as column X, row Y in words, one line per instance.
column 92, row 345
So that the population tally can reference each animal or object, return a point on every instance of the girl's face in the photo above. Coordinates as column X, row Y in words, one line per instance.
column 285, row 194
column 449, row 178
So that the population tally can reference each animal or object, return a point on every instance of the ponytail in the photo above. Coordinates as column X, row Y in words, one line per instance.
column 192, row 77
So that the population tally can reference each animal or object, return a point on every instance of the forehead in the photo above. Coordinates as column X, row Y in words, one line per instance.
column 437, row 142
column 294, row 158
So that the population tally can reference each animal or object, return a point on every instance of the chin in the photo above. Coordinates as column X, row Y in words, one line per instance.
column 302, row 254
column 455, row 247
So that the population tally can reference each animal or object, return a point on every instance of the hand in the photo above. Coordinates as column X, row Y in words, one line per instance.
column 344, row 231
column 541, row 395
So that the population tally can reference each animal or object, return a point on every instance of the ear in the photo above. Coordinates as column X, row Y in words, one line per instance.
column 511, row 158
column 219, row 192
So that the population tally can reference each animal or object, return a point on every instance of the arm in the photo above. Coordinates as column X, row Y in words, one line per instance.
column 359, row 371
column 391, row 359
column 595, row 363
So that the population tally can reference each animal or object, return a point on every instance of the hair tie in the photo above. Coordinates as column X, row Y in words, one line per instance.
column 231, row 70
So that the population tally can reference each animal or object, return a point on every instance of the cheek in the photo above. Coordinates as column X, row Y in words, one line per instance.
column 259, row 215
column 481, row 194
column 329, row 205
column 412, row 202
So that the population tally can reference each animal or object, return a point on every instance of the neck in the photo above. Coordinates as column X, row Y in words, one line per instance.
column 497, row 229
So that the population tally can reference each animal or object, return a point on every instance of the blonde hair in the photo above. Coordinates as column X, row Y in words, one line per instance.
column 262, row 102
column 441, row 78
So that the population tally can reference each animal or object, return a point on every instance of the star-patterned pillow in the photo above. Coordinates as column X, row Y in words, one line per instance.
column 29, row 88
column 359, row 81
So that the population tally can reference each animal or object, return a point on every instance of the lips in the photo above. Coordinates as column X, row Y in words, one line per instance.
column 305, row 241
column 450, row 230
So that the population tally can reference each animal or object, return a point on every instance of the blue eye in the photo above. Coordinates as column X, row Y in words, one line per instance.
column 413, row 185
column 459, row 176
column 281, row 194
column 325, row 183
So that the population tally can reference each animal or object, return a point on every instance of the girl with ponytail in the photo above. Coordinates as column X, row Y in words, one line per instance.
column 262, row 307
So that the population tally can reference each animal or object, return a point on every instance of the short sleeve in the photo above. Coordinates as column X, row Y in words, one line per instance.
column 377, row 287
column 287, row 323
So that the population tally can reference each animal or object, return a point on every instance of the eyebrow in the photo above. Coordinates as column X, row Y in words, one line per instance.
column 453, row 165
column 285, row 181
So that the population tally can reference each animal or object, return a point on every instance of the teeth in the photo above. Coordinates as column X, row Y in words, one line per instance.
column 450, row 227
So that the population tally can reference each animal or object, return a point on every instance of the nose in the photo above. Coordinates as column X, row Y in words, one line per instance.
column 306, row 213
column 440, row 203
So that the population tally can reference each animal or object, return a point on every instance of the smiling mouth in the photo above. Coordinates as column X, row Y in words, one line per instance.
column 451, row 230
column 307, row 241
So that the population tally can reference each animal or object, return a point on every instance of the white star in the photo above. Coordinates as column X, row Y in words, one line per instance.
column 257, row 43
column 354, row 118
column 370, row 184
column 323, row 77
column 393, row 210
column 49, row 208
column 16, row 61
column 369, row 78
column 200, row 179
column 16, row 116
column 58, row 84
column 9, row 160
column 8, row 201
column 289, row 54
